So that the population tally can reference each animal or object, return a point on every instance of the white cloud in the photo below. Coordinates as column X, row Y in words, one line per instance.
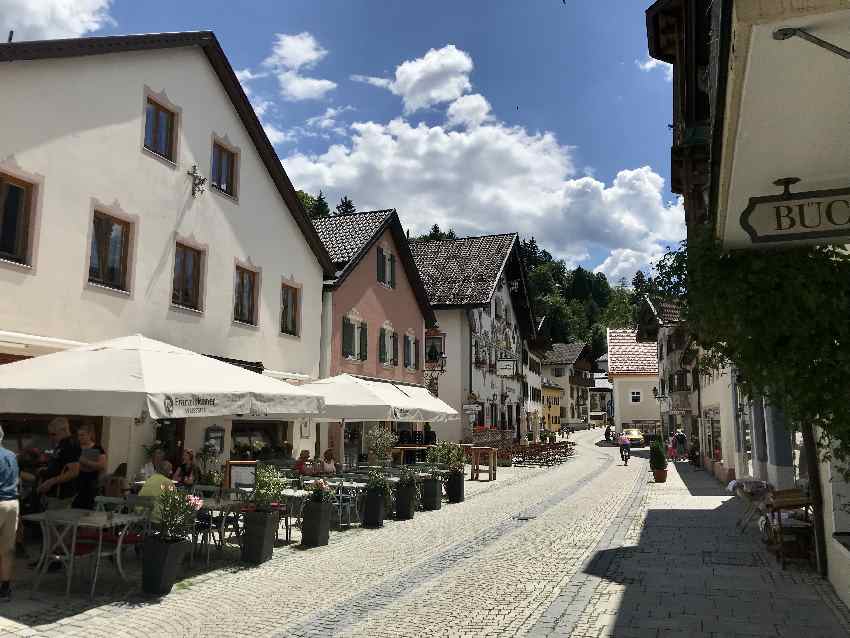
column 45, row 19
column 441, row 75
column 469, row 111
column 290, row 54
column 650, row 64
column 329, row 120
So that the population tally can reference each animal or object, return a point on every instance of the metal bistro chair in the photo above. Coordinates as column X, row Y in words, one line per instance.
column 205, row 523
column 346, row 501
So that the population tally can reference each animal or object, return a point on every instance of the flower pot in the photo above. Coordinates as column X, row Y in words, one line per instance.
column 432, row 494
column 454, row 487
column 315, row 524
column 373, row 511
column 660, row 476
column 258, row 536
column 160, row 561
column 405, row 501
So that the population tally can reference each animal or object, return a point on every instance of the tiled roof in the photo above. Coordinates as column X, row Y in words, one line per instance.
column 548, row 383
column 627, row 356
column 668, row 311
column 564, row 353
column 345, row 235
column 461, row 272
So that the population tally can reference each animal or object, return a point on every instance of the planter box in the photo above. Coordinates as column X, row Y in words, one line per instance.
column 405, row 502
column 432, row 494
column 258, row 536
column 315, row 524
column 160, row 562
column 454, row 487
column 660, row 476
column 373, row 512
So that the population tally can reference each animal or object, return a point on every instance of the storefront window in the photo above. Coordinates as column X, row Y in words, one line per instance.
column 261, row 439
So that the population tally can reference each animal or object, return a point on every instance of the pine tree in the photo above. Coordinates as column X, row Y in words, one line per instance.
column 345, row 206
column 320, row 207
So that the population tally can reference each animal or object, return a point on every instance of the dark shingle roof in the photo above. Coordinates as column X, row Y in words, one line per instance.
column 564, row 353
column 345, row 235
column 628, row 356
column 462, row 272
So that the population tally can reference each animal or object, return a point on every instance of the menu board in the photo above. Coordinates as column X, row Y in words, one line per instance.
column 241, row 473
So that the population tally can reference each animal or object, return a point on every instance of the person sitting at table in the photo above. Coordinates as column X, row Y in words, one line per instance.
column 301, row 463
column 8, row 517
column 117, row 485
column 186, row 471
column 155, row 484
column 92, row 462
column 328, row 462
column 149, row 468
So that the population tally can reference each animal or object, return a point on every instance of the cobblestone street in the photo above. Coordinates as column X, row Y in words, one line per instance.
column 604, row 551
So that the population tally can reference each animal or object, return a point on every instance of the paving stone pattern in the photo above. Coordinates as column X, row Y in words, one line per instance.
column 588, row 548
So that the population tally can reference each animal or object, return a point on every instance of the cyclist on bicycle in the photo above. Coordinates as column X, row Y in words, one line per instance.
column 625, row 448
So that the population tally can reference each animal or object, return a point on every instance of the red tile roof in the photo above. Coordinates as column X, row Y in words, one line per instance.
column 627, row 356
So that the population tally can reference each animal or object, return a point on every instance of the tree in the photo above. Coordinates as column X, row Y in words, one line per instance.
column 618, row 314
column 345, row 206
column 435, row 234
column 320, row 207
column 307, row 201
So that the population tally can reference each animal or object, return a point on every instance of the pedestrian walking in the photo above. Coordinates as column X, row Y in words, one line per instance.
column 671, row 447
column 8, row 518
column 681, row 445
column 607, row 433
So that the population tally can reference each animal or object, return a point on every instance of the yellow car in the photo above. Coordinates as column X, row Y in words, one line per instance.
column 635, row 437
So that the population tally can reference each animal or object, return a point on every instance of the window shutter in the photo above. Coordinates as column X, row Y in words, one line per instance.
column 382, row 347
column 382, row 276
column 392, row 271
column 347, row 337
column 416, row 354
column 406, row 353
column 364, row 342
column 395, row 349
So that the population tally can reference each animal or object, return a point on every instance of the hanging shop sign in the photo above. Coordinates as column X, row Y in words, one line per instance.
column 506, row 367
column 812, row 217
column 472, row 407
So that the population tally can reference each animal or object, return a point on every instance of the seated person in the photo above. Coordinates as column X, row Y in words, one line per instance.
column 185, row 472
column 117, row 484
column 328, row 462
column 301, row 463
column 149, row 468
column 154, row 486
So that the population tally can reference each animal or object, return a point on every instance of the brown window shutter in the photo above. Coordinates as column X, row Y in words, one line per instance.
column 395, row 349
column 382, row 276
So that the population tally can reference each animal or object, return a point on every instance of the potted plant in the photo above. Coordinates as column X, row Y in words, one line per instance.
column 406, row 494
column 380, row 441
column 452, row 457
column 377, row 498
column 316, row 516
column 262, row 521
column 658, row 461
column 166, row 545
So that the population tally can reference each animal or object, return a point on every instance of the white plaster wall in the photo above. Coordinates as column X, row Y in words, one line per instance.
column 624, row 410
column 717, row 393
column 838, row 556
column 453, row 383
column 76, row 125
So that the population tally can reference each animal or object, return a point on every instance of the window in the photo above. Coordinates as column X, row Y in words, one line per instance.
column 15, row 202
column 635, row 396
column 355, row 339
column 187, row 277
column 388, row 347
column 289, row 310
column 434, row 349
column 223, row 173
column 386, row 268
column 558, row 372
column 110, row 242
column 245, row 304
column 159, row 130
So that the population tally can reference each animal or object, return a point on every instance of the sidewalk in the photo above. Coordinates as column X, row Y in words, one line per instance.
column 673, row 564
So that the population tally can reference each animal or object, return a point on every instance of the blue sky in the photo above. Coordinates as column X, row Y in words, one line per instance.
column 529, row 115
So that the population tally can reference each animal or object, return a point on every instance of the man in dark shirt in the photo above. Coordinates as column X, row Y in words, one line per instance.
column 59, row 477
column 8, row 517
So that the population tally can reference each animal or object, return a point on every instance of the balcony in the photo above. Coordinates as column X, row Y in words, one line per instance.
column 582, row 380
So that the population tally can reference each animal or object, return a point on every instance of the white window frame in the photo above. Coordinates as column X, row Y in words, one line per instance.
column 388, row 344
column 357, row 321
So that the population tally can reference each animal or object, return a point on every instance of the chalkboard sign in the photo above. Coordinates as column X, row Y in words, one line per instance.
column 240, row 472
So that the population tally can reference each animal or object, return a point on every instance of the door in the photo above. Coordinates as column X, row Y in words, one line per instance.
column 172, row 433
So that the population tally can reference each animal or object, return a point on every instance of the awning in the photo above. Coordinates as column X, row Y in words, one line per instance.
column 125, row 377
column 351, row 398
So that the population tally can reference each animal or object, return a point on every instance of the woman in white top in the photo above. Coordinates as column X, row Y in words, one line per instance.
column 328, row 463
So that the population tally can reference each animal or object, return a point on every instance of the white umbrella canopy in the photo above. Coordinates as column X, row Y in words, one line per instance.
column 125, row 377
column 355, row 399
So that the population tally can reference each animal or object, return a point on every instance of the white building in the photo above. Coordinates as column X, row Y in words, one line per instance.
column 105, row 231
column 633, row 371
column 476, row 286
column 532, row 390
column 570, row 365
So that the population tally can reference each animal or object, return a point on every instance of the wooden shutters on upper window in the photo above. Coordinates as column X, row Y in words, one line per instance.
column 159, row 130
column 110, row 244
column 289, row 310
column 244, row 307
column 15, row 203
column 391, row 281
column 382, row 272
column 223, row 173
column 395, row 349
column 186, row 290
column 364, row 342
column 416, row 354
column 407, row 347
column 382, row 346
column 386, row 268
column 347, row 338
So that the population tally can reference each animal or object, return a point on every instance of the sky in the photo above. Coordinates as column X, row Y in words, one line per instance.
column 543, row 117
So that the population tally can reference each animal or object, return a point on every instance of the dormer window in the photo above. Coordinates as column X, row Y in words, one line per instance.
column 386, row 268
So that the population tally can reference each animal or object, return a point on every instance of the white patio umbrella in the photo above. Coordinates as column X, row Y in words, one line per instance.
column 351, row 398
column 125, row 377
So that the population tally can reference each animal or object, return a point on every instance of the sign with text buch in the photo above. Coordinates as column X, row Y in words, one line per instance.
column 506, row 367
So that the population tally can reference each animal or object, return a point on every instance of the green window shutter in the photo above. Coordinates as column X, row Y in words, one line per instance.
column 406, row 351
column 395, row 348
column 347, row 337
column 392, row 271
column 364, row 343
column 382, row 275
column 382, row 347
column 416, row 354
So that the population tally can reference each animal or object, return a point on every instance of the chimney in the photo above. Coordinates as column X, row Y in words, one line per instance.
column 11, row 35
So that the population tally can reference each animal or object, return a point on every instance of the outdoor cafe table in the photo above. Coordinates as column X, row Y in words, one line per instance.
column 225, row 507
column 61, row 528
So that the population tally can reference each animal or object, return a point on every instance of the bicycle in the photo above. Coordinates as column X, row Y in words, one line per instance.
column 625, row 453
